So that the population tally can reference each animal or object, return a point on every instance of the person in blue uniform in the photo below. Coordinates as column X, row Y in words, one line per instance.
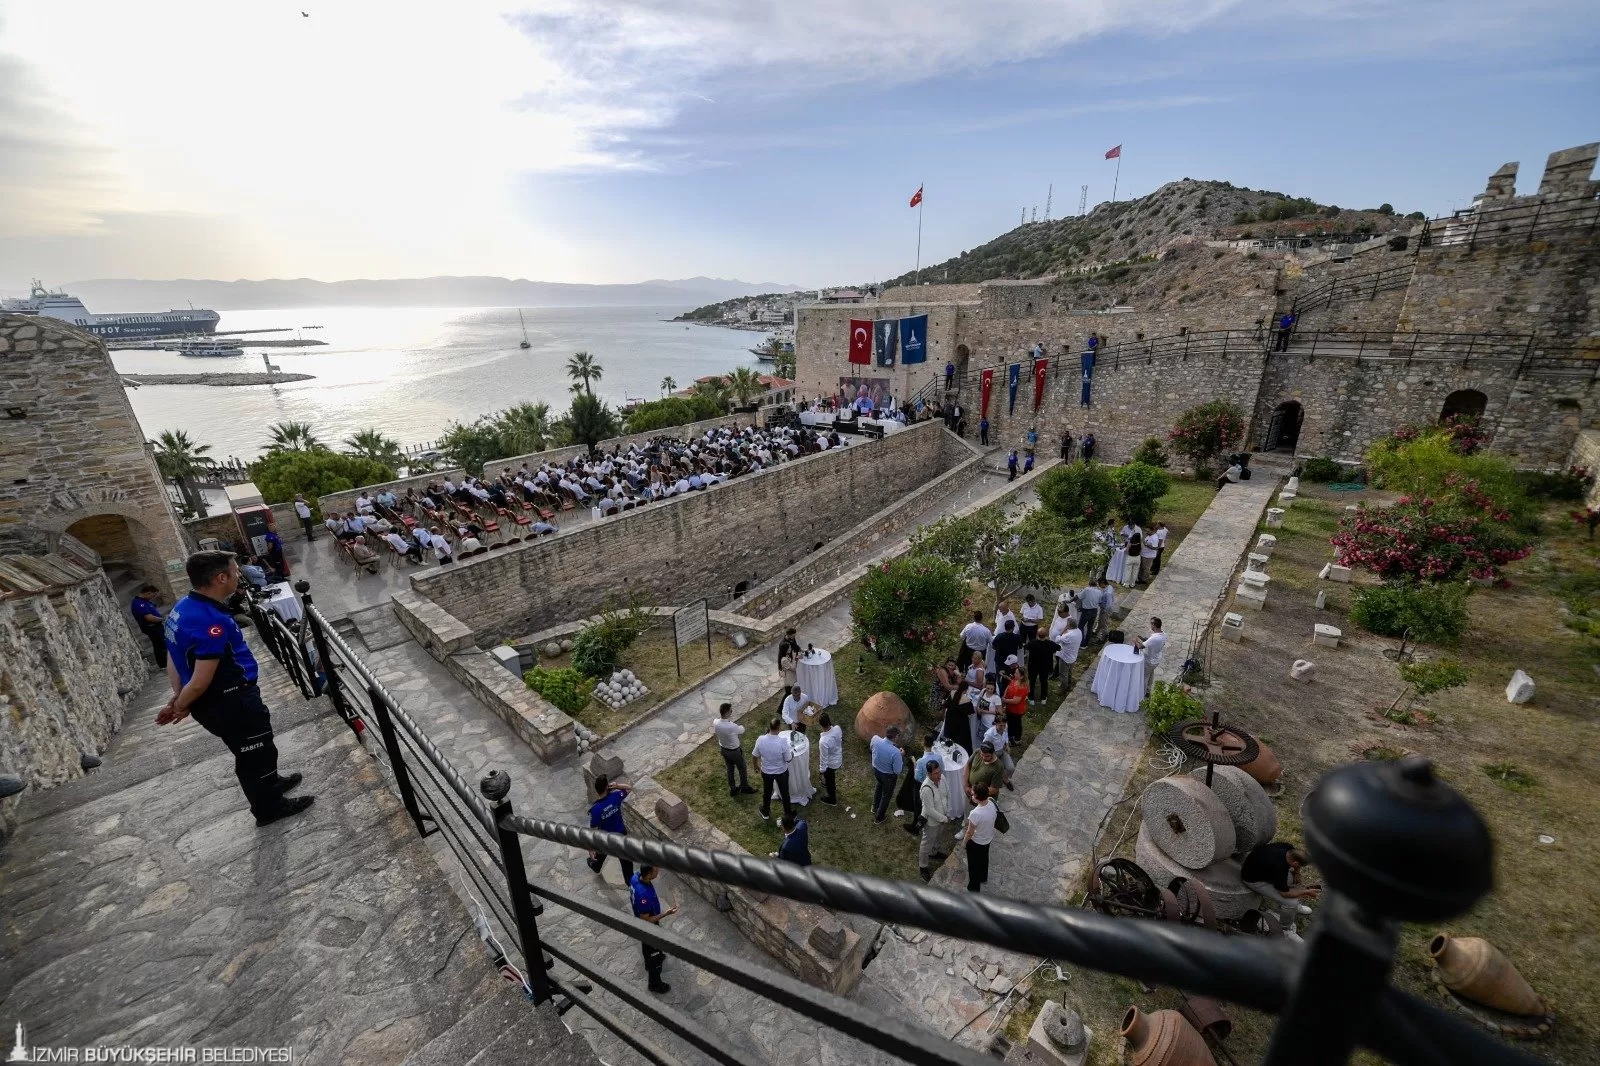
column 147, row 615
column 213, row 677
column 647, row 905
column 605, row 814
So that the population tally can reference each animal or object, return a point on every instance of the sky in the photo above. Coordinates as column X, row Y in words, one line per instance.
column 767, row 140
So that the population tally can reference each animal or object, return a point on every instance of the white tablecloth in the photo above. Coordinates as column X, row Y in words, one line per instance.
column 800, row 788
column 283, row 602
column 955, row 771
column 1119, row 678
column 1115, row 564
column 814, row 673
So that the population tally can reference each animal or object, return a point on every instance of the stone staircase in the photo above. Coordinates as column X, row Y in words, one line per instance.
column 503, row 1030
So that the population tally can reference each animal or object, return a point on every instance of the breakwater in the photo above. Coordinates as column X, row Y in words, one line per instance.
column 214, row 379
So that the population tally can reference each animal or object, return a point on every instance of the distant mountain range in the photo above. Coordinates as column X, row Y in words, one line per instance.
column 112, row 295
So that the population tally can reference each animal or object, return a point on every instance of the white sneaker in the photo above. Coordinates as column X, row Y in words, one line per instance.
column 1304, row 909
column 1290, row 934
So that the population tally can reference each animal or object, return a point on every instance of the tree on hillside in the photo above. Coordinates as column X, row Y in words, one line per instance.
column 371, row 444
column 714, row 390
column 516, row 430
column 280, row 474
column 293, row 437
column 181, row 459
column 583, row 369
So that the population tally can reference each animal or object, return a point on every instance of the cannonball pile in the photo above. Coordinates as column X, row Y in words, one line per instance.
column 622, row 689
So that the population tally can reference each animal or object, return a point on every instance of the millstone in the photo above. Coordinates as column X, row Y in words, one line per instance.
column 1202, row 833
column 1228, row 895
column 1255, row 819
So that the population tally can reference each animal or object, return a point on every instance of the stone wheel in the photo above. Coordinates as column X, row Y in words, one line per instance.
column 1194, row 903
column 1259, row 923
column 1120, row 888
column 1220, row 745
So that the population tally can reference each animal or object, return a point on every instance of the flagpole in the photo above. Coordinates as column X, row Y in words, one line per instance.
column 916, row 275
column 1118, row 176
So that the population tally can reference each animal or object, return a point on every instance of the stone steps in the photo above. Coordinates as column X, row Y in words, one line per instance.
column 505, row 1029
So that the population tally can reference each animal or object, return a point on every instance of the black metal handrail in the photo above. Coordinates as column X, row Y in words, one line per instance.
column 1355, row 1004
column 1513, row 220
column 1338, row 290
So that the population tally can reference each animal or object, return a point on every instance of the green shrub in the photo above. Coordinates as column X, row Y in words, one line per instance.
column 1168, row 704
column 566, row 688
column 599, row 645
column 1435, row 614
column 1321, row 470
column 1078, row 493
column 902, row 607
column 910, row 683
column 1570, row 484
column 1150, row 452
column 1207, row 432
column 279, row 475
column 1139, row 486
column 1432, row 676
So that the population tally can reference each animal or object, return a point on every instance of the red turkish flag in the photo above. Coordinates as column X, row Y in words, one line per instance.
column 987, row 378
column 860, row 342
column 917, row 197
column 1039, row 366
column 1115, row 153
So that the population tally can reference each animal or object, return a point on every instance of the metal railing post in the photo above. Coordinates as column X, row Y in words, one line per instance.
column 496, row 788
column 1343, row 974
column 397, row 763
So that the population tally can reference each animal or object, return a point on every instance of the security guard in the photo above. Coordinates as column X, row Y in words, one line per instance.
column 213, row 678
column 647, row 905
column 148, row 617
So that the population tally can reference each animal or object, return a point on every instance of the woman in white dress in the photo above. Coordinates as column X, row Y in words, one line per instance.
column 1128, row 575
column 800, row 787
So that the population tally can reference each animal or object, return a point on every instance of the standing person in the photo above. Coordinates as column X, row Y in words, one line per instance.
column 1147, row 557
column 1285, row 328
column 647, row 905
column 213, row 677
column 442, row 550
column 1089, row 610
column 147, row 616
column 1066, row 446
column 788, row 657
column 728, row 733
column 796, row 846
column 1011, row 465
column 1007, row 642
column 983, row 431
column 1068, row 644
column 975, row 639
column 985, row 769
column 1033, row 440
column 979, row 835
column 1041, row 652
column 1032, row 615
column 1152, row 646
column 887, row 762
column 919, row 774
column 605, row 814
column 830, row 757
column 794, row 706
column 998, row 739
column 772, row 755
column 1087, row 450
column 949, row 375
column 936, row 824
column 1161, row 546
column 1015, row 698
column 1108, row 602
column 302, row 509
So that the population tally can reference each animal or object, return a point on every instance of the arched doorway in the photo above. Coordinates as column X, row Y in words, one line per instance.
column 963, row 357
column 122, row 544
column 1283, row 430
column 1466, row 403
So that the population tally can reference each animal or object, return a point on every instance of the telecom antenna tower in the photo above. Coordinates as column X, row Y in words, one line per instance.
column 1048, row 194
column 1083, row 200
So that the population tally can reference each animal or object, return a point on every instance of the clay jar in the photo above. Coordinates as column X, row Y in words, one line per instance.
column 1163, row 1039
column 1264, row 767
column 1474, row 969
column 880, row 711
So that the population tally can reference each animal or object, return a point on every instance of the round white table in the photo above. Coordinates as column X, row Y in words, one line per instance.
column 955, row 771
column 282, row 602
column 1119, row 678
column 814, row 673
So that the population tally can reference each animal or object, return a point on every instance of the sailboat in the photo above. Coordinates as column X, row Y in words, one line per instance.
column 525, row 342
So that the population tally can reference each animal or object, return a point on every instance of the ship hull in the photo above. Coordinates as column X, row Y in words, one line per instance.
column 111, row 329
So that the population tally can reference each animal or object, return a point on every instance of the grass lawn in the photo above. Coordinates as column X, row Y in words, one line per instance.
column 651, row 658
column 1542, row 912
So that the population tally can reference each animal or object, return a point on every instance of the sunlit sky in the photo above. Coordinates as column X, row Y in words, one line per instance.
column 769, row 140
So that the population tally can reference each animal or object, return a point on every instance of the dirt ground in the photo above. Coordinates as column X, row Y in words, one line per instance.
column 1530, row 769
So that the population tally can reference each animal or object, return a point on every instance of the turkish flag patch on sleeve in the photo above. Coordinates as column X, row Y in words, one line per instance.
column 215, row 631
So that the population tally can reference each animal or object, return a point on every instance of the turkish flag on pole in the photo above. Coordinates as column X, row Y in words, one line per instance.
column 1115, row 153
column 860, row 342
column 1039, row 367
column 987, row 385
column 916, row 197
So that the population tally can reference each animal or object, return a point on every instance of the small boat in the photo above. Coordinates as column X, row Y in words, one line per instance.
column 525, row 342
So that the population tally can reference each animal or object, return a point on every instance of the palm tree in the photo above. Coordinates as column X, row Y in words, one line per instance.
column 713, row 388
column 372, row 444
column 180, row 458
column 523, row 428
column 583, row 370
column 292, row 437
column 590, row 421
column 745, row 383
column 668, row 386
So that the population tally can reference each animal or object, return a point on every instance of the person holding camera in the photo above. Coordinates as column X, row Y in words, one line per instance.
column 213, row 676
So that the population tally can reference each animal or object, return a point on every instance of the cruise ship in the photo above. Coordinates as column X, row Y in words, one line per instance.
column 70, row 309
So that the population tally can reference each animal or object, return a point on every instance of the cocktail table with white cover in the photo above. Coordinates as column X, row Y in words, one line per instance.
column 282, row 601
column 954, row 762
column 1119, row 678
column 814, row 674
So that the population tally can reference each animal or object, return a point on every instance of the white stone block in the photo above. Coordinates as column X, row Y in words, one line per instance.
column 1520, row 690
column 1339, row 573
column 1265, row 543
column 1327, row 568
column 1292, row 485
column 1274, row 517
column 1303, row 670
column 1256, row 578
column 1351, row 507
column 1322, row 600
column 1256, row 561
column 1285, row 498
column 1232, row 626
column 1326, row 636
column 1250, row 597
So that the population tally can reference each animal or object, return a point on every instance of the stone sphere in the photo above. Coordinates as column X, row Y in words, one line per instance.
column 879, row 712
column 553, row 648
column 566, row 645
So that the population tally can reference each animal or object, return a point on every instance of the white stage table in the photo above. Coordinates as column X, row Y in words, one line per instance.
column 1119, row 678
column 282, row 602
column 955, row 772
column 814, row 673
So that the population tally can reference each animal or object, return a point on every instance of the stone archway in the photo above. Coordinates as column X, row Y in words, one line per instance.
column 1466, row 403
column 963, row 359
column 1283, row 430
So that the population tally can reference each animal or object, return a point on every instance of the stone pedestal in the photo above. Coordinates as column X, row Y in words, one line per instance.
column 1256, row 561
column 1292, row 485
column 1285, row 498
column 1274, row 517
column 1250, row 597
column 1059, row 1037
column 1265, row 543
column 1259, row 579
column 1303, row 670
column 1322, row 600
column 1232, row 627
column 1326, row 636
column 1520, row 690
column 1339, row 573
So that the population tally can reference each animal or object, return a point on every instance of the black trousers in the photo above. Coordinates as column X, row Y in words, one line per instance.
column 733, row 762
column 598, row 862
column 1086, row 622
column 158, row 643
column 1039, row 677
column 653, row 961
column 977, row 865
column 307, row 523
column 883, row 795
column 829, row 792
column 1014, row 729
column 241, row 721
column 781, row 783
column 1155, row 567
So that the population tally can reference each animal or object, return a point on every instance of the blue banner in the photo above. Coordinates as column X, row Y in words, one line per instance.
column 1088, row 375
column 914, row 339
column 1013, row 372
column 885, row 333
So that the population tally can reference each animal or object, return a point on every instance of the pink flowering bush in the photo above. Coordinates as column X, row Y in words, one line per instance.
column 901, row 608
column 1205, row 433
column 1421, row 538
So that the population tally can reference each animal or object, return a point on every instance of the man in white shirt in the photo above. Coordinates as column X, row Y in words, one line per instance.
column 728, row 733
column 403, row 546
column 998, row 736
column 441, row 547
column 1070, row 641
column 794, row 705
column 302, row 510
column 975, row 637
column 1032, row 615
column 1161, row 546
column 363, row 504
column 1152, row 646
column 830, row 756
column 980, row 834
column 1147, row 557
column 772, row 754
column 937, row 826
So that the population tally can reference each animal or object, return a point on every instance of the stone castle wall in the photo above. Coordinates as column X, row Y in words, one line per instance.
column 689, row 547
column 67, row 659
column 1549, row 286
column 77, row 453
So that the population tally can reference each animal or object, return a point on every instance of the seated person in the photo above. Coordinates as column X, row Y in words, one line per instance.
column 404, row 547
column 1272, row 871
column 363, row 504
column 354, row 524
column 252, row 571
column 607, row 505
column 442, row 549
column 469, row 541
column 541, row 527
column 364, row 556
column 379, row 525
column 334, row 523
column 386, row 499
column 1229, row 476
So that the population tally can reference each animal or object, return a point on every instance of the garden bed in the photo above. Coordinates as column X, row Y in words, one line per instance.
column 651, row 659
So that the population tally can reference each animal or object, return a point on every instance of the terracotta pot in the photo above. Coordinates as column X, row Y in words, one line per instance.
column 1474, row 969
column 1163, row 1039
column 1265, row 767
column 880, row 711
